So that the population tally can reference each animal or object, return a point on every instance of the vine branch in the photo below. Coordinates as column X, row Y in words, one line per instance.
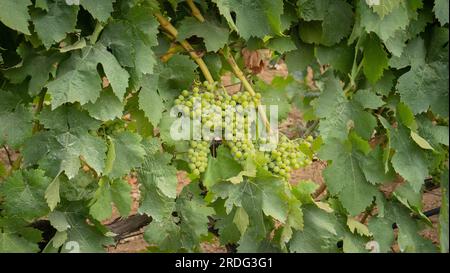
column 195, row 11
column 167, row 26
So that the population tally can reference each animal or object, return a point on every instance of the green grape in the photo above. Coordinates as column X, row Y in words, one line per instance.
column 228, row 114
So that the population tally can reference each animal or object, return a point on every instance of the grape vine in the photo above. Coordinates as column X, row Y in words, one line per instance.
column 153, row 89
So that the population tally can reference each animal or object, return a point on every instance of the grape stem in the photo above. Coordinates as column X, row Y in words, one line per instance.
column 174, row 48
column 97, row 30
column 195, row 11
column 166, row 25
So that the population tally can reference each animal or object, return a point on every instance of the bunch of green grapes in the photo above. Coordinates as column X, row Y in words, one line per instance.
column 198, row 156
column 288, row 156
column 228, row 120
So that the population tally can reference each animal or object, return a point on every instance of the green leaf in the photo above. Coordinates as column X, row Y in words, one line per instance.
column 60, row 149
column 425, row 86
column 384, row 7
column 336, row 17
column 368, row 99
column 382, row 232
column 374, row 168
column 158, row 171
column 345, row 176
column 340, row 57
column 414, row 55
column 298, row 60
column 221, row 167
column 241, row 220
column 253, row 18
column 441, row 11
column 82, row 237
column 225, row 9
column 59, row 239
column 434, row 134
column 53, row 25
column 33, row 65
column 214, row 35
column 58, row 221
column 14, row 14
column 131, row 39
column 106, row 107
column 52, row 194
column 355, row 226
column 129, row 153
column 421, row 141
column 121, row 196
column 150, row 101
column 321, row 232
column 16, row 126
column 11, row 243
column 23, row 194
column 100, row 9
column 339, row 115
column 409, row 160
column 281, row 44
column 193, row 212
column 101, row 208
column 375, row 59
column 78, row 80
column 409, row 239
column 164, row 234
column 385, row 27
column 81, row 187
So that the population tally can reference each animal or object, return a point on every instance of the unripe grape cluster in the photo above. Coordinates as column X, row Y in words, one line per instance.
column 198, row 156
column 288, row 156
column 227, row 118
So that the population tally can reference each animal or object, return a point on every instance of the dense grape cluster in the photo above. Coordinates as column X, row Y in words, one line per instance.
column 198, row 156
column 230, row 119
column 288, row 155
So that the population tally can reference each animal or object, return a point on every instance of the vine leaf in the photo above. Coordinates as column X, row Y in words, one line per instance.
column 339, row 115
column 33, row 65
column 409, row 239
column 106, row 107
column 68, row 139
column 387, row 26
column 16, row 126
column 215, row 36
column 253, row 18
column 441, row 11
column 150, row 101
column 53, row 25
column 221, row 168
column 409, row 160
column 425, row 86
column 345, row 177
column 131, row 39
column 375, row 59
column 100, row 9
column 24, row 192
column 118, row 192
column 12, row 243
column 129, row 153
column 84, row 238
column 77, row 79
column 336, row 17
column 52, row 193
column 14, row 14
